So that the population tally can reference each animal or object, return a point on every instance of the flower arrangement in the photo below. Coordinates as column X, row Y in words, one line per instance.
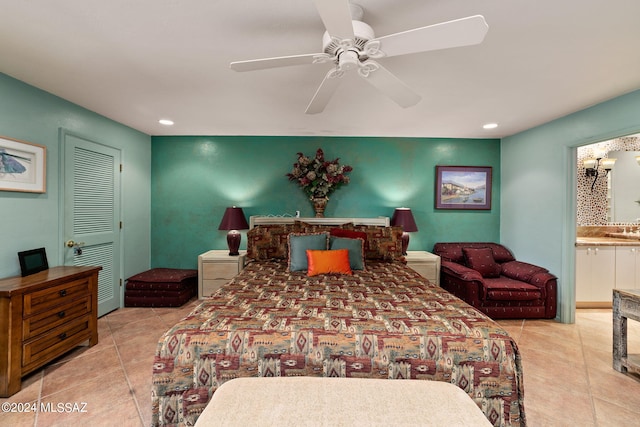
column 317, row 176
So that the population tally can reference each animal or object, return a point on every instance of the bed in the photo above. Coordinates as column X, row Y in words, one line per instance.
column 382, row 321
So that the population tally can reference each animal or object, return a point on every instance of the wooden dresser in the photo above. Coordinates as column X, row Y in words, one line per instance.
column 42, row 316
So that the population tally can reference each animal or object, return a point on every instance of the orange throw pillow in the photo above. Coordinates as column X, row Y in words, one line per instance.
column 323, row 262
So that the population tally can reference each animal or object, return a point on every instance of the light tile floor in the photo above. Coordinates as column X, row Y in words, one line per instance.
column 568, row 374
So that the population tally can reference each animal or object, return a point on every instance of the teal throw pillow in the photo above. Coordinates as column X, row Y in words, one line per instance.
column 355, row 248
column 298, row 245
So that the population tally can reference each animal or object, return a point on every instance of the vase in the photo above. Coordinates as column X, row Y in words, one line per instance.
column 319, row 204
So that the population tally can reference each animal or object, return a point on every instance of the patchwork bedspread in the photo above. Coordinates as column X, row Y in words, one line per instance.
column 383, row 322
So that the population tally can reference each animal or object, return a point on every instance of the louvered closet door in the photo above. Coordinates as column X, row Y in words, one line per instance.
column 92, row 213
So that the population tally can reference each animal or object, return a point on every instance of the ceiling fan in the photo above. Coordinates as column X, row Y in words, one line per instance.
column 350, row 44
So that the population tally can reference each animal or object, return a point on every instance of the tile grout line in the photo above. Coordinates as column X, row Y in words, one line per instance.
column 586, row 374
column 41, row 381
column 126, row 377
column 62, row 362
column 521, row 330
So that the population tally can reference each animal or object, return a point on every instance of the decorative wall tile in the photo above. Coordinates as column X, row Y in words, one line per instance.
column 591, row 205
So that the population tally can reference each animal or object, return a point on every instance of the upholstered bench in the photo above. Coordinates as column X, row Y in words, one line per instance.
column 313, row 401
column 161, row 287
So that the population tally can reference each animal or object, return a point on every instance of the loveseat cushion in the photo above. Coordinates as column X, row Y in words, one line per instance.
column 460, row 271
column 481, row 260
column 452, row 251
column 519, row 270
column 506, row 289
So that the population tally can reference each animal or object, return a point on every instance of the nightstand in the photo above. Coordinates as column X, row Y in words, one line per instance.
column 215, row 268
column 426, row 264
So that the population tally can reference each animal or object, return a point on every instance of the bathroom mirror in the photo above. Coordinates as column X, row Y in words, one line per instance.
column 625, row 186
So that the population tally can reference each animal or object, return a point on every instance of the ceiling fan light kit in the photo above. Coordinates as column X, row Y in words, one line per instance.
column 350, row 44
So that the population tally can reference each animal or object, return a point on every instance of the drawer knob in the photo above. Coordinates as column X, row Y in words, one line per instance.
column 62, row 335
column 61, row 314
column 63, row 292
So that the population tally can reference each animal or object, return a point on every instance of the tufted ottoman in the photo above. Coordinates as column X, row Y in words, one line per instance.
column 161, row 287
column 311, row 401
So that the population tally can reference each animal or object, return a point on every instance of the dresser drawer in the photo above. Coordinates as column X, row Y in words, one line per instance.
column 45, row 299
column 217, row 270
column 42, row 322
column 55, row 342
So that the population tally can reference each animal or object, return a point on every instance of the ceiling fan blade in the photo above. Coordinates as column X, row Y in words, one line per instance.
column 383, row 80
column 336, row 16
column 325, row 92
column 281, row 61
column 460, row 32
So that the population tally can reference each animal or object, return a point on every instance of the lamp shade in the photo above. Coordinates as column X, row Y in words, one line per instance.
column 608, row 162
column 403, row 217
column 233, row 219
column 589, row 163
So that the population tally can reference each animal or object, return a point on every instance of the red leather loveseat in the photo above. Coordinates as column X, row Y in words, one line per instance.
column 487, row 276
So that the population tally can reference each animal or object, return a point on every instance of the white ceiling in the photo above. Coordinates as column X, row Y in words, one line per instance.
column 138, row 61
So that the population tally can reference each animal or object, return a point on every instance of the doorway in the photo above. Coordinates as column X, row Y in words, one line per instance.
column 601, row 211
column 91, row 222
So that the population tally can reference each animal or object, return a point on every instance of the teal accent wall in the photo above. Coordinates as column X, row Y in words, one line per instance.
column 32, row 220
column 538, row 211
column 194, row 178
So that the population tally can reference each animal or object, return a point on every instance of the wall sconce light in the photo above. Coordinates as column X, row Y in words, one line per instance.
column 404, row 218
column 233, row 220
column 638, row 160
column 591, row 167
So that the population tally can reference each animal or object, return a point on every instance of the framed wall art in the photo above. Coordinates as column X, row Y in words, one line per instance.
column 22, row 166
column 463, row 187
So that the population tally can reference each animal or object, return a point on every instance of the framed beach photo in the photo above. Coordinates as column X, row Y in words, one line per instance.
column 22, row 166
column 463, row 187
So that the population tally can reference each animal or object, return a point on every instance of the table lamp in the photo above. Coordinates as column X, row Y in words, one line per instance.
column 233, row 220
column 404, row 218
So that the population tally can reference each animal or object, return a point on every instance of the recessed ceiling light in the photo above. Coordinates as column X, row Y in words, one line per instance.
column 165, row 122
column 490, row 126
